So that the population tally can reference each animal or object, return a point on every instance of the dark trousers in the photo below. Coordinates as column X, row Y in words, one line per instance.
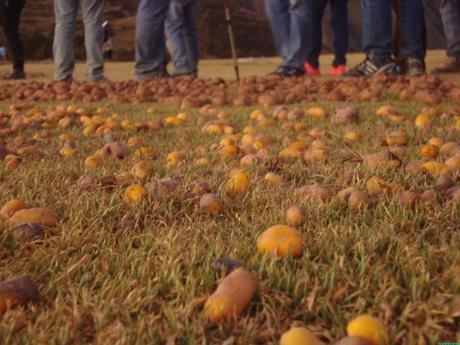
column 339, row 23
column 10, row 14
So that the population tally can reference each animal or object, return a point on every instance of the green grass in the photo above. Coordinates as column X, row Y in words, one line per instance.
column 105, row 283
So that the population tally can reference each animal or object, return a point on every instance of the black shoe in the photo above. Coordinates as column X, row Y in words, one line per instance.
column 371, row 67
column 15, row 75
column 413, row 67
column 288, row 72
column 154, row 75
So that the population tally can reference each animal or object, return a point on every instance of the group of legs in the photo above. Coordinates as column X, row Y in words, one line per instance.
column 296, row 27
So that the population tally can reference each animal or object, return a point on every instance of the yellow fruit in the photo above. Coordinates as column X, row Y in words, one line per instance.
column 66, row 152
column 376, row 186
column 453, row 162
column 296, row 216
column 316, row 112
column 422, row 121
column 369, row 328
column 228, row 152
column 202, row 162
column 436, row 141
column 238, row 183
column 299, row 336
column 435, row 168
column 280, row 240
column 290, row 152
column 142, row 169
column 211, row 204
column 429, row 151
column 396, row 138
column 37, row 215
column 175, row 158
column 255, row 114
column 93, row 162
column 231, row 297
column 353, row 136
column 134, row 193
column 11, row 207
column 386, row 110
column 274, row 179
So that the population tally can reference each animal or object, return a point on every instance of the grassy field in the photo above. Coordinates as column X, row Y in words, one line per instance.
column 113, row 272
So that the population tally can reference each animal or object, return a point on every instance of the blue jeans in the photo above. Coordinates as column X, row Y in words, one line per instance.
column 64, row 37
column 378, row 33
column 339, row 23
column 150, row 38
column 450, row 14
column 181, row 36
column 289, row 21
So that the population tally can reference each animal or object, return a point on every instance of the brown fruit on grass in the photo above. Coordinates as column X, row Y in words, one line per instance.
column 319, row 192
column 17, row 292
column 296, row 216
column 37, row 215
column 11, row 207
column 409, row 199
column 211, row 204
column 231, row 297
column 345, row 115
column 358, row 200
column 429, row 151
column 280, row 240
column 28, row 232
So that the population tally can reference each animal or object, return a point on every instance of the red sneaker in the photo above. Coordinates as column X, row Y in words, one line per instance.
column 312, row 71
column 339, row 70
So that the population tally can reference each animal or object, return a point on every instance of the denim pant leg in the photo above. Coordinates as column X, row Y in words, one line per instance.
column 315, row 31
column 411, row 22
column 150, row 37
column 377, row 28
column 10, row 18
column 92, row 11
column 63, row 45
column 340, row 27
column 181, row 37
column 301, row 17
column 450, row 14
column 280, row 23
column 191, row 35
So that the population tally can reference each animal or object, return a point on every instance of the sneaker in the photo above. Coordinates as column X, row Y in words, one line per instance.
column 311, row 70
column 413, row 67
column 15, row 75
column 288, row 72
column 451, row 65
column 371, row 66
column 338, row 70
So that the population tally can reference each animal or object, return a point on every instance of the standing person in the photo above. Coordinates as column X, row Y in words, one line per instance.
column 150, row 39
column 10, row 15
column 339, row 23
column 377, row 39
column 289, row 21
column 181, row 37
column 109, row 35
column 64, row 38
column 450, row 14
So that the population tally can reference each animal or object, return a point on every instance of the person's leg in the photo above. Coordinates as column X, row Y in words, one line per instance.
column 92, row 11
column 176, row 38
column 11, row 15
column 280, row 23
column 411, row 22
column 300, row 19
column 191, row 35
column 150, row 40
column 64, row 36
column 315, row 32
column 339, row 23
column 450, row 14
column 377, row 28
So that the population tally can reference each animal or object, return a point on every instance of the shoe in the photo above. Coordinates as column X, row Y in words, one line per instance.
column 154, row 75
column 413, row 67
column 311, row 70
column 451, row 65
column 288, row 72
column 372, row 66
column 15, row 75
column 338, row 70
